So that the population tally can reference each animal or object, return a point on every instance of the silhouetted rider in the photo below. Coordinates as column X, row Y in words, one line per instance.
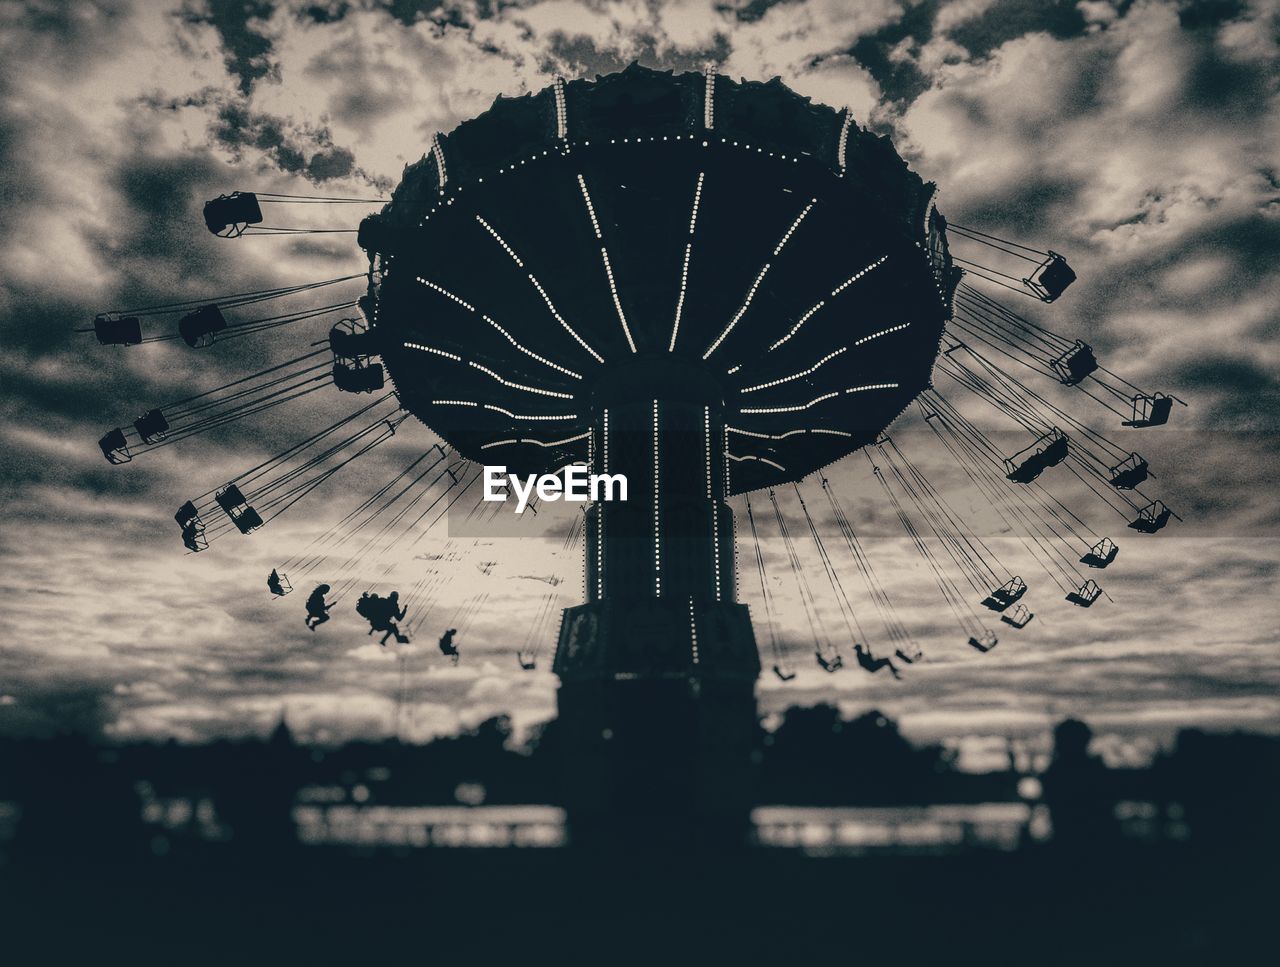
column 382, row 615
column 873, row 665
column 317, row 607
column 447, row 647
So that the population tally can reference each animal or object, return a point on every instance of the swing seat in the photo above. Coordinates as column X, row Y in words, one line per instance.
column 199, row 329
column 151, row 426
column 278, row 583
column 117, row 332
column 351, row 341
column 1051, row 278
column 1075, row 364
column 1085, row 595
column 1048, row 451
column 1101, row 554
column 193, row 537
column 1130, row 472
column 115, row 447
column 1005, row 595
column 1151, row 410
column 246, row 519
column 784, row 676
column 909, row 659
column 834, row 665
column 229, row 498
column 1018, row 616
column 358, row 378
column 1152, row 518
column 229, row 215
column 528, row 663
column 984, row 643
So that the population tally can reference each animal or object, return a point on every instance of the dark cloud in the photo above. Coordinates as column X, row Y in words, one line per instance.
column 246, row 49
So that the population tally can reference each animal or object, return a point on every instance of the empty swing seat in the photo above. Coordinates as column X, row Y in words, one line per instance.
column 1101, row 554
column 198, row 329
column 230, row 497
column 984, row 643
column 1130, row 472
column 1085, row 595
column 1005, row 595
column 1051, row 278
column 278, row 583
column 1048, row 451
column 126, row 331
column 1018, row 616
column 246, row 519
column 528, row 664
column 1075, row 364
column 151, row 426
column 1152, row 517
column 910, row 659
column 115, row 447
column 834, row 665
column 358, row 379
column 784, row 676
column 1152, row 410
column 229, row 215
column 348, row 342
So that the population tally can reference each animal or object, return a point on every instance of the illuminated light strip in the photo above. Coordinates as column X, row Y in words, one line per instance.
column 437, row 152
column 882, row 332
column 591, row 209
column 709, row 99
column 617, row 303
column 526, row 416
column 601, row 511
column 870, row 386
column 749, row 456
column 454, row 403
column 859, row 274
column 538, row 443
column 560, row 319
column 751, row 294
column 791, row 409
column 783, row 436
column 447, row 294
column 657, row 512
column 800, row 375
column 432, row 349
column 529, row 352
column 706, row 426
column 528, row 389
column 844, row 139
column 734, row 369
column 501, row 241
column 684, row 269
column 562, row 112
column 794, row 225
column 724, row 434
column 796, row 328
column 693, row 631
column 715, row 535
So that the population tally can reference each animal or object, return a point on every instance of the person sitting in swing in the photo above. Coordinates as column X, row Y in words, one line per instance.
column 872, row 664
column 317, row 607
column 382, row 615
column 447, row 647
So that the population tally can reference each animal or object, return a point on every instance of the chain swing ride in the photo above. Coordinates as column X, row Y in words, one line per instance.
column 717, row 288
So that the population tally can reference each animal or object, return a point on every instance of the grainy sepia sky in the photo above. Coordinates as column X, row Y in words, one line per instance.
column 1142, row 139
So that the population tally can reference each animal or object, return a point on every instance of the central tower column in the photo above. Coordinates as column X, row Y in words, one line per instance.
column 658, row 667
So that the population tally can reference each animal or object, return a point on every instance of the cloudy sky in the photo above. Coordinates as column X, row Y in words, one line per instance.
column 1142, row 139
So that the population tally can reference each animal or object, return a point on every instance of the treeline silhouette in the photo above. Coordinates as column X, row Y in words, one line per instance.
column 73, row 796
